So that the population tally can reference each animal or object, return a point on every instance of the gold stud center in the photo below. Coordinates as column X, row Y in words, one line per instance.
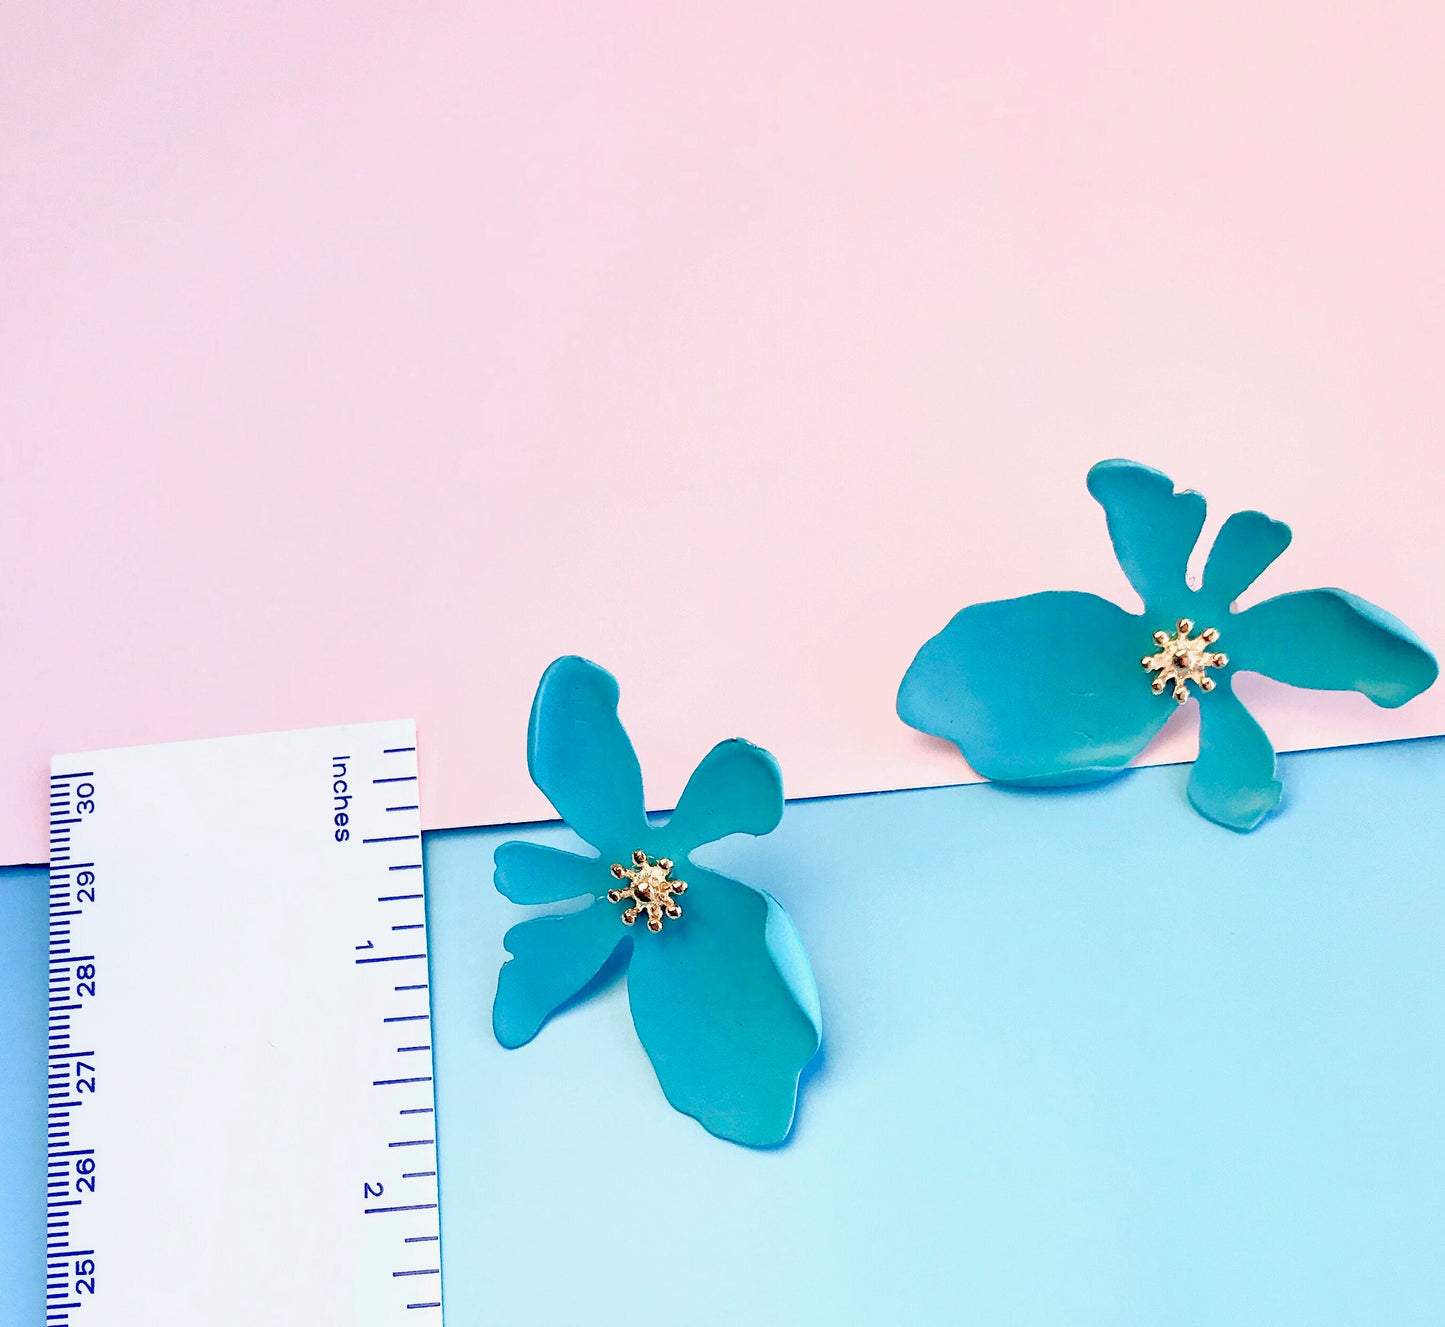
column 649, row 889
column 1182, row 658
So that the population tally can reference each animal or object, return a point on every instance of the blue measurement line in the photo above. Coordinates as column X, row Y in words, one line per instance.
column 405, row 1018
column 420, row 986
column 402, row 1050
column 412, row 807
column 84, row 774
column 421, row 1239
column 410, row 866
column 390, row 958
column 396, row 750
column 430, row 1304
column 392, row 838
column 410, row 926
column 418, row 1110
column 421, row 1271
column 411, row 1142
column 406, row 1175
column 388, row 1082
column 399, row 778
column 397, row 898
column 404, row 1207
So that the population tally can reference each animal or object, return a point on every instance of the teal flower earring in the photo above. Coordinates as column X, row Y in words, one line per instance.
column 1093, row 709
column 722, row 995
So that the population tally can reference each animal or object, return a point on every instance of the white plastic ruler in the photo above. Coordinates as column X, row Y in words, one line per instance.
column 241, row 1106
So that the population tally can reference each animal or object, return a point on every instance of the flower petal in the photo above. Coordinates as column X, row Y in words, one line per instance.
column 553, row 958
column 1041, row 690
column 736, row 789
column 1232, row 783
column 532, row 873
column 1246, row 544
column 1330, row 640
column 581, row 757
column 719, row 1013
column 1154, row 529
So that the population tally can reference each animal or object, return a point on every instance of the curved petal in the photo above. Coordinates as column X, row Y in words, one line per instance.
column 580, row 756
column 1246, row 544
column 1232, row 783
column 1330, row 640
column 736, row 789
column 1154, row 529
column 1041, row 690
column 553, row 958
column 719, row 1017
column 532, row 873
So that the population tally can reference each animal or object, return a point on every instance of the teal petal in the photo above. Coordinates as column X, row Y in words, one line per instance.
column 719, row 1013
column 580, row 756
column 1154, row 529
column 1041, row 690
column 736, row 789
column 1232, row 783
column 531, row 873
column 553, row 958
column 1330, row 640
column 1246, row 544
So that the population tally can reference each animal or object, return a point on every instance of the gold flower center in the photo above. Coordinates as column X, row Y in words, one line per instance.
column 650, row 889
column 1182, row 658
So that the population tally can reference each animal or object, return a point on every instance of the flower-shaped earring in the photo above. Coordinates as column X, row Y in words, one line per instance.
column 722, row 995
column 1091, row 708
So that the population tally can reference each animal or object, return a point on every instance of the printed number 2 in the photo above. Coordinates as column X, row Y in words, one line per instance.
column 371, row 1190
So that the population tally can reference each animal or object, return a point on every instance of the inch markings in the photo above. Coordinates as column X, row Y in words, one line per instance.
column 239, row 1059
column 401, row 1194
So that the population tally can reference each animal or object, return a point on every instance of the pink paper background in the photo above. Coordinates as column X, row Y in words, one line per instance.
column 356, row 360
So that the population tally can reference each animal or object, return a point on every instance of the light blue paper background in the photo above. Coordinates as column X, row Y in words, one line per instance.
column 1089, row 1060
